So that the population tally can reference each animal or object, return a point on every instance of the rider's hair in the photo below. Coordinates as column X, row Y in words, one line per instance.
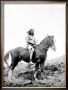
column 31, row 32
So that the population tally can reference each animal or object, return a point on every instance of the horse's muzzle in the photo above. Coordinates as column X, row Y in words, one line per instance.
column 53, row 48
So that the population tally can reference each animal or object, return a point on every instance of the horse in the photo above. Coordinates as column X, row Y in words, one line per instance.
column 38, row 58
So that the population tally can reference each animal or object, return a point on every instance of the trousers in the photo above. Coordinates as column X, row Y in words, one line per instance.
column 31, row 50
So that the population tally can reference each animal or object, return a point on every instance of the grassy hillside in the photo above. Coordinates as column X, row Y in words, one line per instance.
column 54, row 75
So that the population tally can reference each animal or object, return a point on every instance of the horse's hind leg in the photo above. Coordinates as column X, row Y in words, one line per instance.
column 10, row 74
column 8, row 62
column 11, row 69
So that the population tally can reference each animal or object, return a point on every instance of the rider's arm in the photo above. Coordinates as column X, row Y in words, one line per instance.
column 34, row 40
column 27, row 39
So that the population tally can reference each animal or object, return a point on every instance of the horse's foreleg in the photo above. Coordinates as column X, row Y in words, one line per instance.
column 35, row 74
column 36, row 69
column 42, row 70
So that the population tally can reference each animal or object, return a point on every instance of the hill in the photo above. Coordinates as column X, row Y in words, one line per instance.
column 54, row 75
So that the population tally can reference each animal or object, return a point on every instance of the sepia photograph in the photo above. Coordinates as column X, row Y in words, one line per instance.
column 34, row 52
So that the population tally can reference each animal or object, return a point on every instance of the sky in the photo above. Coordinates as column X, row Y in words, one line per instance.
column 43, row 18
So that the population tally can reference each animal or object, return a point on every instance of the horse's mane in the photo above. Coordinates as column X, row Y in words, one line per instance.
column 44, row 40
column 43, row 43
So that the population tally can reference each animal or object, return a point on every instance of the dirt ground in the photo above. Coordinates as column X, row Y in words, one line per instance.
column 54, row 76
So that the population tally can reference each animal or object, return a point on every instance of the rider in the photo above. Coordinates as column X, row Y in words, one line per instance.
column 30, row 42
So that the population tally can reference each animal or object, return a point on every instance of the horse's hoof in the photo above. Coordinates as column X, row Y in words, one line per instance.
column 36, row 79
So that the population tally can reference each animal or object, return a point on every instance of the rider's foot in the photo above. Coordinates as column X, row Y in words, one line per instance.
column 30, row 62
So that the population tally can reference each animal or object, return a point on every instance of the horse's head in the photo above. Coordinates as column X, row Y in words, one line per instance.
column 51, row 41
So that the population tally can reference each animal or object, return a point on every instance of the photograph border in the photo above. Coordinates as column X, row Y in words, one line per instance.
column 2, row 43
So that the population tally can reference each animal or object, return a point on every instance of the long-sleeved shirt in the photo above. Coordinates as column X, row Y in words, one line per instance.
column 30, row 39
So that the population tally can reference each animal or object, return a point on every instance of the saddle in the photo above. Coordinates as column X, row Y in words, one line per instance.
column 34, row 45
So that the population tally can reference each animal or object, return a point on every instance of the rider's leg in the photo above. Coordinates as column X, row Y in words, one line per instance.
column 31, row 54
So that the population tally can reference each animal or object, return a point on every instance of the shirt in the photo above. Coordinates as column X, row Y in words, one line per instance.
column 30, row 39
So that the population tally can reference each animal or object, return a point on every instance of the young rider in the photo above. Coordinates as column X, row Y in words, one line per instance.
column 30, row 42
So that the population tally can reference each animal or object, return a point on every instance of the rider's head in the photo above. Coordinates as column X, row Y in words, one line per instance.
column 31, row 32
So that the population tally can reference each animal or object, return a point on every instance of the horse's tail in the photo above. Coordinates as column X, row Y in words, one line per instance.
column 7, row 59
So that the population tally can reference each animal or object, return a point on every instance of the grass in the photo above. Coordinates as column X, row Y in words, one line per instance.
column 53, row 77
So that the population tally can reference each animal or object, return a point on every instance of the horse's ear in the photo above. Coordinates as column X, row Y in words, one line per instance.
column 52, row 36
column 48, row 35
